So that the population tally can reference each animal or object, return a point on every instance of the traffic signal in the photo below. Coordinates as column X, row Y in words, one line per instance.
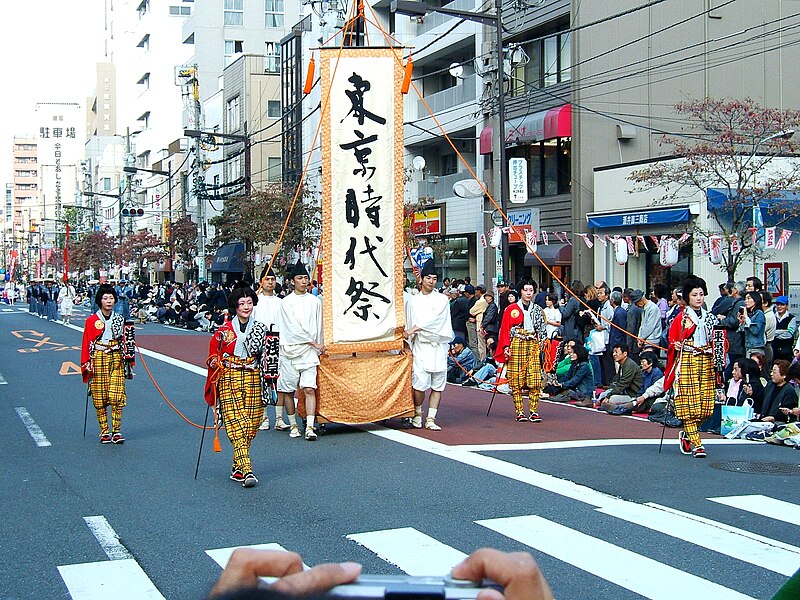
column 132, row 212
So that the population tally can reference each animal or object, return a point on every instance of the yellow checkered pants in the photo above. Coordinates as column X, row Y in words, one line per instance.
column 239, row 397
column 525, row 370
column 694, row 394
column 107, row 386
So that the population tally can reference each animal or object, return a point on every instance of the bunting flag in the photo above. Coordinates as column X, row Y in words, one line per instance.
column 769, row 238
column 545, row 241
column 601, row 240
column 654, row 239
column 734, row 244
column 753, row 232
column 566, row 237
column 780, row 244
column 508, row 230
column 483, row 240
column 686, row 235
column 589, row 243
column 631, row 248
column 530, row 240
column 704, row 246
column 535, row 235
column 641, row 239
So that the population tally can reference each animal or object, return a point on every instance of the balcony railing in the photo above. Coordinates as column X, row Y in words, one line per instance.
column 433, row 19
column 446, row 99
column 440, row 187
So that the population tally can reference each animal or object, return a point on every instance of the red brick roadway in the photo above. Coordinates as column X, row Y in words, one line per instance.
column 462, row 413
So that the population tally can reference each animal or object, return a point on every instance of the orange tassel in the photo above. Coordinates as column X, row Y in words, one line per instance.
column 217, row 445
column 407, row 76
column 309, row 76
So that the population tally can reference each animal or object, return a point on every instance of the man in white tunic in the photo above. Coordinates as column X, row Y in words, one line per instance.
column 428, row 331
column 266, row 311
column 300, row 324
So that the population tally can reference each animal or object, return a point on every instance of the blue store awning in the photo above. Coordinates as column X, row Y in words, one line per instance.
column 639, row 218
column 228, row 258
column 773, row 210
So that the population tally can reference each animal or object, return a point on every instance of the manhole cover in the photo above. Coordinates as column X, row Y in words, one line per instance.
column 763, row 468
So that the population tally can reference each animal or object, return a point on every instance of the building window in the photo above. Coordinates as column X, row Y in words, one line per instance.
column 106, row 127
column 232, row 112
column 234, row 12
column 143, row 43
column 232, row 47
column 235, row 168
column 273, row 10
column 549, row 166
column 106, row 183
column 274, row 109
column 272, row 57
column 545, row 62
column 180, row 11
column 274, row 168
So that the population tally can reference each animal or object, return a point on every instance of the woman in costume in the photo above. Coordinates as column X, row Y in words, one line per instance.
column 106, row 361
column 690, row 365
column 237, row 370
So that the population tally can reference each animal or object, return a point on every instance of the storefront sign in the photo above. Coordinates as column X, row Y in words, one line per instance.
column 518, row 180
column 639, row 219
column 523, row 220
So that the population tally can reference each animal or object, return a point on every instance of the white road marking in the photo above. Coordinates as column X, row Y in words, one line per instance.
column 3, row 380
column 107, row 538
column 221, row 556
column 639, row 574
column 412, row 551
column 36, row 432
column 764, row 506
column 737, row 543
column 586, row 444
column 118, row 579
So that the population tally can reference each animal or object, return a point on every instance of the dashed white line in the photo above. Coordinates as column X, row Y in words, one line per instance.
column 107, row 538
column 36, row 432
column 3, row 380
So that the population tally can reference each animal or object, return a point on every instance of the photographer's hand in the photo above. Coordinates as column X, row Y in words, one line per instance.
column 517, row 572
column 247, row 565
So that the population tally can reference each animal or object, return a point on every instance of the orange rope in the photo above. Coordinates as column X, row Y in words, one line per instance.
column 494, row 202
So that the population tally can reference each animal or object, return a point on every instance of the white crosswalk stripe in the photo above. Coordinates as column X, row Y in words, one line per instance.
column 733, row 542
column 412, row 551
column 639, row 574
column 763, row 505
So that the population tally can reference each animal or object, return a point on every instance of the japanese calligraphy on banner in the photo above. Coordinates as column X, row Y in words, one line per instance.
column 362, row 201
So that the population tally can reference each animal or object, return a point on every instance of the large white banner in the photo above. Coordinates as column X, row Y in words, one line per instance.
column 362, row 199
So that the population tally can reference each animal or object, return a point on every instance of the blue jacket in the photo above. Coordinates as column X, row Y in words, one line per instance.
column 580, row 379
column 754, row 337
column 616, row 335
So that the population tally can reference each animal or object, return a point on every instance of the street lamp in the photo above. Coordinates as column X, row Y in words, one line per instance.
column 201, row 210
column 408, row 7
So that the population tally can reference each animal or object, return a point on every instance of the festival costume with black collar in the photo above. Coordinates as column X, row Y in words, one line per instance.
column 240, row 374
column 522, row 331
column 107, row 356
column 692, row 369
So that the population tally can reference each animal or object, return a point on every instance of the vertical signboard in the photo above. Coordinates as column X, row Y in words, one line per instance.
column 362, row 202
column 518, row 180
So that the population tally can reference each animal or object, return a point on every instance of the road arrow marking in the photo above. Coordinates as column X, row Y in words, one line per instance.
column 69, row 368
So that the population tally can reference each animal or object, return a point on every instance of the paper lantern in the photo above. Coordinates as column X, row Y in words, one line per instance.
column 668, row 252
column 494, row 240
column 621, row 250
column 715, row 249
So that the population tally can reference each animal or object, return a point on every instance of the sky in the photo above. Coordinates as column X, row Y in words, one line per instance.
column 49, row 50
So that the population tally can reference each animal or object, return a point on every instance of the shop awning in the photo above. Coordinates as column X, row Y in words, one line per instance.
column 773, row 210
column 228, row 258
column 639, row 218
column 552, row 254
column 544, row 125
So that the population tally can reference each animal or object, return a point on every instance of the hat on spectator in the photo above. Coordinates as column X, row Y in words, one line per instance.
column 469, row 289
column 637, row 295
column 458, row 340
column 782, row 300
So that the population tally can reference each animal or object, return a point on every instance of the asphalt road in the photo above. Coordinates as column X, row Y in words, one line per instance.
column 605, row 514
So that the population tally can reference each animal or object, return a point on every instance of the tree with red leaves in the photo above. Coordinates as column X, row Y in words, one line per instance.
column 141, row 245
column 95, row 250
column 732, row 145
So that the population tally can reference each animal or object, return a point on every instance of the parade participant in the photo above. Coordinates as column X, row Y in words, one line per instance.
column 66, row 299
column 300, row 325
column 428, row 331
column 519, row 346
column 690, row 365
column 236, row 381
column 266, row 311
column 104, row 365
